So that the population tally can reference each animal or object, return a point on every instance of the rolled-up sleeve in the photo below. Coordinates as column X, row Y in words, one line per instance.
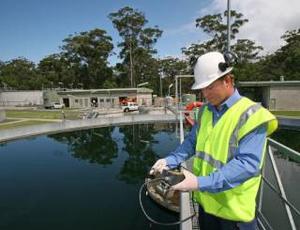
column 184, row 150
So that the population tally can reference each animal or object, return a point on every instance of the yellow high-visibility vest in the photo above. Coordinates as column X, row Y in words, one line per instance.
column 215, row 147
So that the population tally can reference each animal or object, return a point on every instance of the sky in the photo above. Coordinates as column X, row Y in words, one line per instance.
column 35, row 29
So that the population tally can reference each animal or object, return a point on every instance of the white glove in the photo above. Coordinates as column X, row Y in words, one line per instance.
column 159, row 166
column 190, row 183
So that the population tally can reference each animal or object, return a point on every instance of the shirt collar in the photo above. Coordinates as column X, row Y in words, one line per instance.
column 229, row 102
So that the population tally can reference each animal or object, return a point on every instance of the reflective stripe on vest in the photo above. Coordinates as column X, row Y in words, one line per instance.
column 233, row 142
column 209, row 159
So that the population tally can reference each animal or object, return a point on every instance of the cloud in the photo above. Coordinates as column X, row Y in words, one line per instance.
column 268, row 20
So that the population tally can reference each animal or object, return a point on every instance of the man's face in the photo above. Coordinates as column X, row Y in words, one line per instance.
column 217, row 92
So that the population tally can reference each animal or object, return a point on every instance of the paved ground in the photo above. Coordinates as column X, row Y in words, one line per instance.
column 20, row 119
column 70, row 125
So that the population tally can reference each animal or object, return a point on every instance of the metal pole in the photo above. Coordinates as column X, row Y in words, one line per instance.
column 176, row 87
column 160, row 86
column 180, row 90
column 185, row 210
column 176, row 92
column 228, row 25
column 261, row 190
column 181, row 127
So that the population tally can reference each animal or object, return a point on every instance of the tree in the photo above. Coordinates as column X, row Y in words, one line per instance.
column 94, row 145
column 246, row 50
column 286, row 60
column 137, row 46
column 20, row 74
column 140, row 154
column 87, row 53
column 196, row 50
column 248, row 67
column 57, row 71
column 170, row 67
column 216, row 28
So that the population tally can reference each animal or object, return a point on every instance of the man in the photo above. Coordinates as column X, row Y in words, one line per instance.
column 228, row 145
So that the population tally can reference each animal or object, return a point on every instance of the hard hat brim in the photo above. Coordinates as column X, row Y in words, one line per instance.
column 196, row 86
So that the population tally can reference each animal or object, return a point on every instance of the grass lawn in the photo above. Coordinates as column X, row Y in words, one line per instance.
column 287, row 113
column 17, row 115
column 47, row 114
column 7, row 125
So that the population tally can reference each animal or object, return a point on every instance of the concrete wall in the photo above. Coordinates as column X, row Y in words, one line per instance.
column 2, row 115
column 21, row 98
column 144, row 99
column 66, row 126
column 284, row 98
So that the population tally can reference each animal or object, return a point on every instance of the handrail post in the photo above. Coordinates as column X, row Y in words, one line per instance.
column 185, row 210
column 261, row 191
column 181, row 127
column 176, row 92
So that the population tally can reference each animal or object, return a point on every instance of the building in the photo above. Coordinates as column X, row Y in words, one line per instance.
column 105, row 98
column 77, row 98
column 21, row 98
column 274, row 95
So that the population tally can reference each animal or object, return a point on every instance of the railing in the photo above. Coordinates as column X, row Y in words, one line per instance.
column 263, row 222
column 185, row 209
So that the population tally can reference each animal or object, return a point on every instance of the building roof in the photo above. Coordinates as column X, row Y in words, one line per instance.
column 105, row 91
column 267, row 83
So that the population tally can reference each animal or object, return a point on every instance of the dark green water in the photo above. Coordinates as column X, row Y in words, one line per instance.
column 90, row 179
column 81, row 180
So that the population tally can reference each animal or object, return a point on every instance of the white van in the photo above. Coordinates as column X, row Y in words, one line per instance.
column 131, row 106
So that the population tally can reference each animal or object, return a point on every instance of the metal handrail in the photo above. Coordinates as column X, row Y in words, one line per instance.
column 281, row 197
column 281, row 193
column 184, row 196
column 285, row 150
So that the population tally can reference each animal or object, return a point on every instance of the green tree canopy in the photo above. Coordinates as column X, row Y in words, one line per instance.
column 57, row 72
column 216, row 27
column 137, row 45
column 20, row 74
column 286, row 59
column 284, row 62
column 88, row 53
column 170, row 67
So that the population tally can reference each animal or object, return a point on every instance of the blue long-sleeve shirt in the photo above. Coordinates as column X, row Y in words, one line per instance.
column 245, row 163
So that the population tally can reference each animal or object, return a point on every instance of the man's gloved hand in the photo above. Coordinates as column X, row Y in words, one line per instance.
column 190, row 183
column 159, row 166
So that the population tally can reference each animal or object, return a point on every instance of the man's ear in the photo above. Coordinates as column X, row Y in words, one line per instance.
column 228, row 81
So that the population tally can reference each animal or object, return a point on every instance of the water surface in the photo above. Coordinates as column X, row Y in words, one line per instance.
column 90, row 179
column 81, row 180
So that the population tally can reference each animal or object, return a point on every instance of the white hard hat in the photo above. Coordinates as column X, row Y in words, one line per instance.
column 209, row 67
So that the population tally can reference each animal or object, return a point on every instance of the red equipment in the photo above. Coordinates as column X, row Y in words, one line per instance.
column 189, row 107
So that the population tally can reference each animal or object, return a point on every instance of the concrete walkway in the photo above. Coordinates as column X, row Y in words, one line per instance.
column 72, row 125
column 21, row 119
